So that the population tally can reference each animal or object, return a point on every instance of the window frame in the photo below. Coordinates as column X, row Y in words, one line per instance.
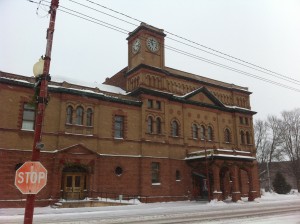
column 195, row 131
column 210, row 133
column 174, row 129
column 155, row 173
column 227, row 135
column 28, row 117
column 69, row 115
column 79, row 115
column 150, row 125
column 89, row 117
column 202, row 132
column 158, row 126
column 119, row 130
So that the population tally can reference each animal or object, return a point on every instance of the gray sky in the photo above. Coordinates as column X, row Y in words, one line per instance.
column 262, row 32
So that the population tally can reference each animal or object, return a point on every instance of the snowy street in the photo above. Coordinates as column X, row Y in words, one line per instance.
column 271, row 208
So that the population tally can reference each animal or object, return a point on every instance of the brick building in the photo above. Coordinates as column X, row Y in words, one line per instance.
column 157, row 132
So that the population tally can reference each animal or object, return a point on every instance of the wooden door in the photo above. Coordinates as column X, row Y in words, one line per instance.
column 74, row 185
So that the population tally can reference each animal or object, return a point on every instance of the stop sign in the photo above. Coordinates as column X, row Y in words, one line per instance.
column 31, row 177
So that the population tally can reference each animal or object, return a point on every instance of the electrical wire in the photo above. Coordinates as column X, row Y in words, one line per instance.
column 240, row 61
column 121, row 30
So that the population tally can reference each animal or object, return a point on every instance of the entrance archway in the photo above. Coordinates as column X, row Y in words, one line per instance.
column 74, row 182
column 225, row 183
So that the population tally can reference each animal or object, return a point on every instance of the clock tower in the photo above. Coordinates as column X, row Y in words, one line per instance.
column 146, row 46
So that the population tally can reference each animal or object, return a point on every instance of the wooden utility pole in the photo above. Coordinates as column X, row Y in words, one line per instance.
column 42, row 100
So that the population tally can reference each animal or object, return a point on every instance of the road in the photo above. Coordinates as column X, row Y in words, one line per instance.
column 175, row 212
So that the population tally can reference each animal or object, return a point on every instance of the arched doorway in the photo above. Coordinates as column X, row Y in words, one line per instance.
column 200, row 186
column 74, row 182
column 225, row 183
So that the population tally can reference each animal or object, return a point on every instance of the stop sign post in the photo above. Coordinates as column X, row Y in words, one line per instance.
column 31, row 177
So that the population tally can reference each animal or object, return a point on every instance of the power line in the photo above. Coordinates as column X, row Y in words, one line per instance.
column 121, row 30
column 240, row 61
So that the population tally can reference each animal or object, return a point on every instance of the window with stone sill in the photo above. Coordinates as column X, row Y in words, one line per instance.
column 118, row 127
column 195, row 131
column 174, row 129
column 155, row 173
column 28, row 118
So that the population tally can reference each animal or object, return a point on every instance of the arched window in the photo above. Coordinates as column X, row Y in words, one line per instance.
column 158, row 125
column 202, row 132
column 175, row 129
column 242, row 137
column 195, row 131
column 69, row 119
column 248, row 138
column 89, row 117
column 79, row 115
column 209, row 133
column 150, row 125
column 227, row 135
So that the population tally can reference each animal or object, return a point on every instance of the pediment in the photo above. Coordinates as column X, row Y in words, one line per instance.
column 77, row 149
column 203, row 96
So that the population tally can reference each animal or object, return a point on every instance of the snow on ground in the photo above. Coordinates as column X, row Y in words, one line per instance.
column 172, row 209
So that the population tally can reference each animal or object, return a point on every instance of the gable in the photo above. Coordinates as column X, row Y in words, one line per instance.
column 203, row 96
column 77, row 149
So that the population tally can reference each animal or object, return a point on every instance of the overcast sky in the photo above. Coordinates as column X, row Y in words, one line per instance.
column 261, row 32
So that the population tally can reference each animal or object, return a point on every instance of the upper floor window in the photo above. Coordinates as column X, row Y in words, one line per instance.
column 227, row 135
column 158, row 105
column 209, row 133
column 241, row 120
column 158, row 125
column 248, row 138
column 28, row 117
column 155, row 173
column 79, row 115
column 195, row 131
column 150, row 125
column 69, row 119
column 242, row 137
column 89, row 117
column 246, row 121
column 175, row 129
column 119, row 127
column 202, row 132
column 150, row 104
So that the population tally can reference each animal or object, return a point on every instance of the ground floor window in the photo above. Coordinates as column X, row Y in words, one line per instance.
column 155, row 173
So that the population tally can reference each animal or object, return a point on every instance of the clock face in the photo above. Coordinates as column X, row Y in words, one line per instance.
column 136, row 46
column 152, row 44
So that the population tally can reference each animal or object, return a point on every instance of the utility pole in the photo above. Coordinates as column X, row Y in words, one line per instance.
column 41, row 101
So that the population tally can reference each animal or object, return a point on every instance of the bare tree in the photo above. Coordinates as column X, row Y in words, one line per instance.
column 291, row 137
column 261, row 141
column 276, row 131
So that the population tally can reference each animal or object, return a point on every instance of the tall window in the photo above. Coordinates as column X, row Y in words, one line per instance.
column 79, row 115
column 195, row 131
column 28, row 117
column 202, row 132
column 227, row 135
column 158, row 105
column 150, row 103
column 155, row 173
column 119, row 127
column 248, row 138
column 158, row 125
column 209, row 133
column 89, row 117
column 175, row 129
column 178, row 176
column 150, row 125
column 242, row 137
column 69, row 119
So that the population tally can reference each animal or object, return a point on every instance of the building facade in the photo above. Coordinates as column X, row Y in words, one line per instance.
column 157, row 133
